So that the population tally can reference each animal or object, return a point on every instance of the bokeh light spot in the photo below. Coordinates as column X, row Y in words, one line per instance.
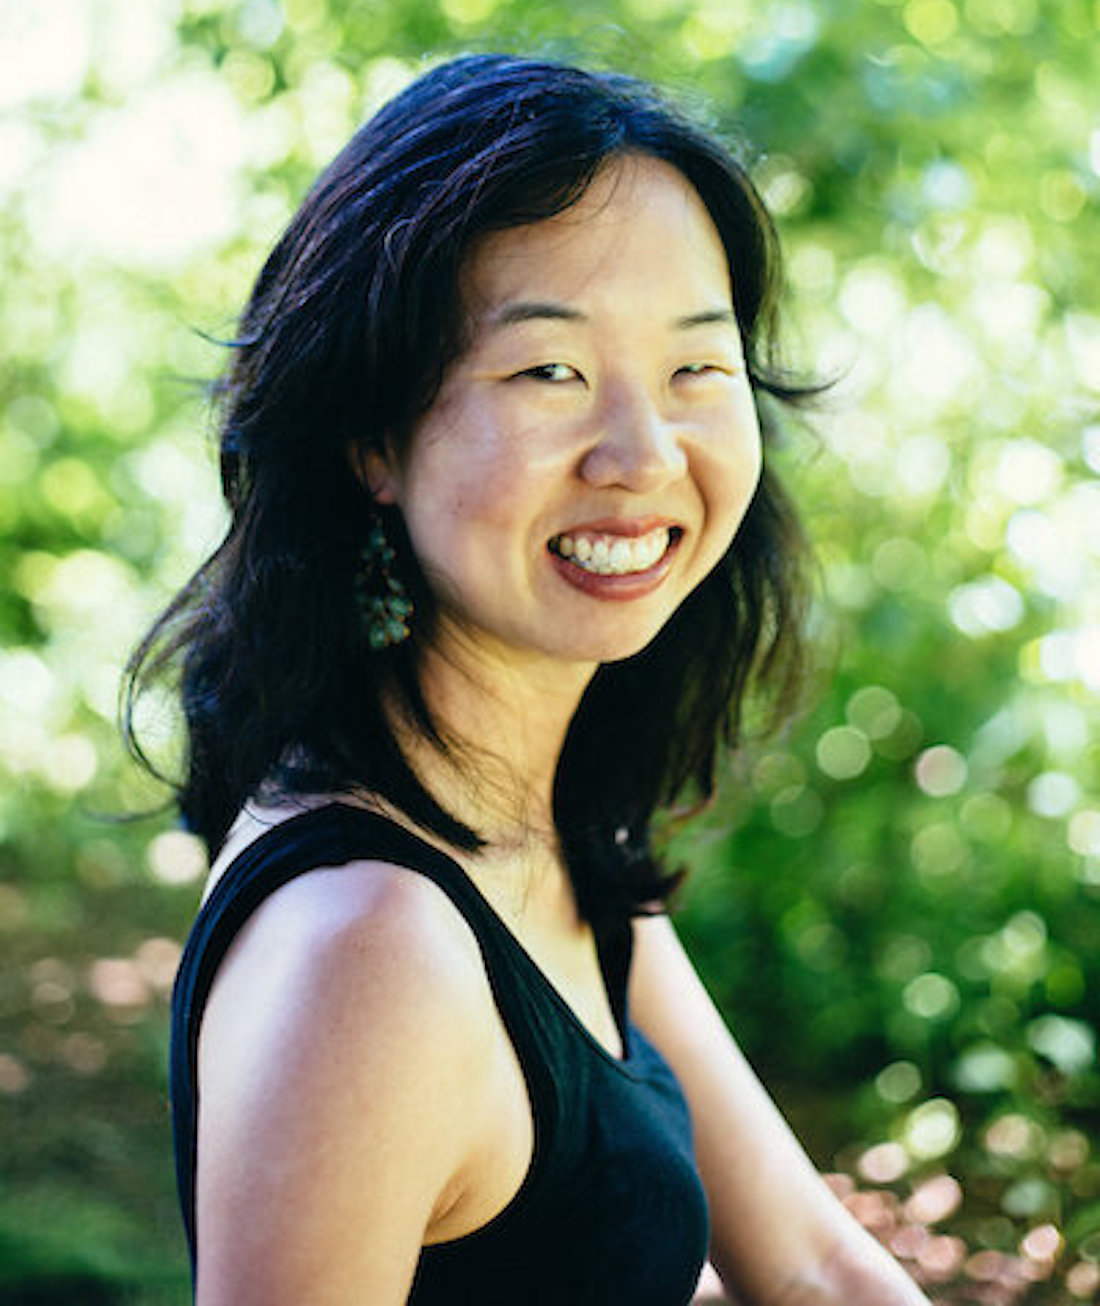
column 986, row 816
column 1070, row 1045
column 931, row 996
column 932, row 1129
column 940, row 771
column 986, row 606
column 14, row 1075
column 872, row 298
column 69, row 763
column 1062, row 197
column 1028, row 1197
column 941, row 1257
column 985, row 1068
column 1053, row 793
column 176, row 857
column 1083, row 832
column 874, row 711
column 932, row 22
column 884, row 1163
column 934, row 1199
column 157, row 959
column 1014, row 1135
column 843, row 752
column 898, row 1082
column 899, row 564
column 119, row 985
column 1083, row 1280
column 1043, row 1243
column 938, row 849
column 84, row 1053
column 1027, row 472
column 1068, row 1150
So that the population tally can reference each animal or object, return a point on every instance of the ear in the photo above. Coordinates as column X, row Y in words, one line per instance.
column 376, row 471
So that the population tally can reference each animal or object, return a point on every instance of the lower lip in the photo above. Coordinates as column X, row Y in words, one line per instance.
column 633, row 585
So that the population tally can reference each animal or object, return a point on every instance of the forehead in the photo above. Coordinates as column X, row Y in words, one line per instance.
column 639, row 230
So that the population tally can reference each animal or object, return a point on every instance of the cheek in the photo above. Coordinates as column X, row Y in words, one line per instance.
column 736, row 462
column 466, row 500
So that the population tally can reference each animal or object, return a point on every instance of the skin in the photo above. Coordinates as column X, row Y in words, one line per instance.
column 619, row 405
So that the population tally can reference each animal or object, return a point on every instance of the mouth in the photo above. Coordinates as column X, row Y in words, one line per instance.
column 603, row 553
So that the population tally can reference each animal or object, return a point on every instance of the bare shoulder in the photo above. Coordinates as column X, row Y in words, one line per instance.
column 364, row 932
column 356, row 923
column 342, row 1074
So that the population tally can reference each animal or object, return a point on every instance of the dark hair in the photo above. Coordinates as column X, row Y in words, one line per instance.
column 344, row 343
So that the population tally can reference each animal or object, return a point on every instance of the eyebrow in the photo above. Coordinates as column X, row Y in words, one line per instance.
column 538, row 310
column 708, row 317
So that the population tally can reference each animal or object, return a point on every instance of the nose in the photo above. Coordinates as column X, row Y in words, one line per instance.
column 636, row 448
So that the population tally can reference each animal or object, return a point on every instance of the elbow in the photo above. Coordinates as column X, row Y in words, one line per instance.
column 856, row 1271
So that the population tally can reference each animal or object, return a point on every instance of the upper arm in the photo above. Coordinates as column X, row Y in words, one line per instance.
column 772, row 1215
column 339, row 1065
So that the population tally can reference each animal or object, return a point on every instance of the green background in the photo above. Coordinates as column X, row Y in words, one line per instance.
column 897, row 902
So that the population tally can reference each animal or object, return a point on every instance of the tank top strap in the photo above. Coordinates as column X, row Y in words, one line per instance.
column 336, row 834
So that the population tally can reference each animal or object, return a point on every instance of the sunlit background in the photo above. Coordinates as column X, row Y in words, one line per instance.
column 898, row 902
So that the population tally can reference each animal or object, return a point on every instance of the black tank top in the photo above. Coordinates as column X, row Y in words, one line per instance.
column 612, row 1210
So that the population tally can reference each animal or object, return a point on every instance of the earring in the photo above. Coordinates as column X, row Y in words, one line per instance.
column 382, row 600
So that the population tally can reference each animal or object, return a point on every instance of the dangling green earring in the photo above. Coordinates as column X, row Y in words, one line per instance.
column 381, row 598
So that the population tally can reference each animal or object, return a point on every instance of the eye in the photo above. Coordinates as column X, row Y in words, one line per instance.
column 700, row 369
column 554, row 373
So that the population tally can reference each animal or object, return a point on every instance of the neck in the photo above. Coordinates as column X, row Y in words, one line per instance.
column 507, row 720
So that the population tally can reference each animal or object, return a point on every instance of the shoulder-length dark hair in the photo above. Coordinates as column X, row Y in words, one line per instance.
column 343, row 345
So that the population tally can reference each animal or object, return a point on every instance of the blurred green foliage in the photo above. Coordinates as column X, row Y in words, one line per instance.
column 896, row 902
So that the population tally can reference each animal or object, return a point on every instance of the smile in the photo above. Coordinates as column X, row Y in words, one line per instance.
column 615, row 555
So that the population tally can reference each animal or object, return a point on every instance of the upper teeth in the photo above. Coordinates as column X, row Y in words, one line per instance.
column 613, row 555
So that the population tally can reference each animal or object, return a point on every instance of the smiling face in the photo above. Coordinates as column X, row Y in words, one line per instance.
column 593, row 450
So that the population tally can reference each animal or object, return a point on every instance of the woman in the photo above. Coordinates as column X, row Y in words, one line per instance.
column 502, row 565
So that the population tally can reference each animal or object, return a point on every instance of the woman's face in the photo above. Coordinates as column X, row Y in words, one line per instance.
column 592, row 452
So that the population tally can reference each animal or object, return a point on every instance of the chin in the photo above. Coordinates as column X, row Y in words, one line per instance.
column 616, row 648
